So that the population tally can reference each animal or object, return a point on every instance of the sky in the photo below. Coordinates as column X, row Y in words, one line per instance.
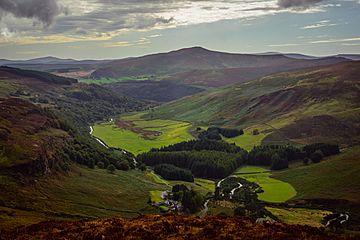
column 112, row 29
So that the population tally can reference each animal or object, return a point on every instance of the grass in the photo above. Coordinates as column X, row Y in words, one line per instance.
column 301, row 216
column 171, row 132
column 156, row 196
column 204, row 186
column 335, row 178
column 156, row 178
column 274, row 190
column 82, row 193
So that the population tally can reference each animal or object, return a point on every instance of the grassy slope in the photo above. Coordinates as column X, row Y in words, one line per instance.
column 274, row 190
column 81, row 194
column 336, row 178
column 171, row 132
column 277, row 101
column 311, row 217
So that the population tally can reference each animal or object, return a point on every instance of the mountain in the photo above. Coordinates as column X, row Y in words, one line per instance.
column 62, row 67
column 355, row 57
column 177, row 65
column 33, row 102
column 312, row 105
column 290, row 55
column 49, row 60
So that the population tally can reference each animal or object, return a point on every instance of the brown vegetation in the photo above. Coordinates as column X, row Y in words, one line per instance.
column 167, row 227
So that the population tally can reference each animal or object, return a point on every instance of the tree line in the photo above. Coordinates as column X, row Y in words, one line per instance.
column 202, row 144
column 214, row 133
column 203, row 164
column 171, row 172
column 278, row 157
column 217, row 159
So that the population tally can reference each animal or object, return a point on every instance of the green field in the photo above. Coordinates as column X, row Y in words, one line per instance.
column 336, row 177
column 274, row 190
column 171, row 132
column 247, row 141
column 300, row 216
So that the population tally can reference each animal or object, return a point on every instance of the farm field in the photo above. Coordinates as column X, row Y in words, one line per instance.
column 274, row 190
column 148, row 134
column 332, row 178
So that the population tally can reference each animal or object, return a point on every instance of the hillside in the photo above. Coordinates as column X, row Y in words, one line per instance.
column 158, row 91
column 199, row 66
column 79, row 103
column 337, row 172
column 22, row 123
column 167, row 227
column 318, row 104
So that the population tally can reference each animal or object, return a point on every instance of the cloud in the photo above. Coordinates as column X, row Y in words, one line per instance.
column 337, row 40
column 320, row 24
column 284, row 45
column 105, row 19
column 42, row 10
column 300, row 4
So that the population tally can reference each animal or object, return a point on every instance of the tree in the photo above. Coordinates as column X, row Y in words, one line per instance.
column 317, row 156
column 124, row 165
column 142, row 167
column 306, row 161
column 278, row 163
column 100, row 165
column 111, row 168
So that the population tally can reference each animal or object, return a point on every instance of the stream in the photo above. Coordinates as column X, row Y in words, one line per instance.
column 97, row 139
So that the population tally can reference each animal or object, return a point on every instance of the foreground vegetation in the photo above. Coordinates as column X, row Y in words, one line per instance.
column 82, row 193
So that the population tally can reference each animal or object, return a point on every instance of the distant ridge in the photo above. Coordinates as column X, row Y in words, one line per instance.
column 203, row 67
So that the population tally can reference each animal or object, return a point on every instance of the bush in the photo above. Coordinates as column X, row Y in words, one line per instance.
column 100, row 165
column 111, row 168
column 317, row 156
column 306, row 161
column 142, row 167
column 124, row 165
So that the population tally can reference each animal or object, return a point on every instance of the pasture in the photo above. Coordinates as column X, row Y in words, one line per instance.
column 143, row 135
column 275, row 191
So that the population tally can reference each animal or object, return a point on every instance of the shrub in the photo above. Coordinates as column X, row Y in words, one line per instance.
column 100, row 165
column 142, row 167
column 124, row 165
column 306, row 161
column 111, row 168
column 317, row 156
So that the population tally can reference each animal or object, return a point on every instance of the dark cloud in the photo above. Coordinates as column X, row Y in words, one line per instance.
column 297, row 3
column 43, row 10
